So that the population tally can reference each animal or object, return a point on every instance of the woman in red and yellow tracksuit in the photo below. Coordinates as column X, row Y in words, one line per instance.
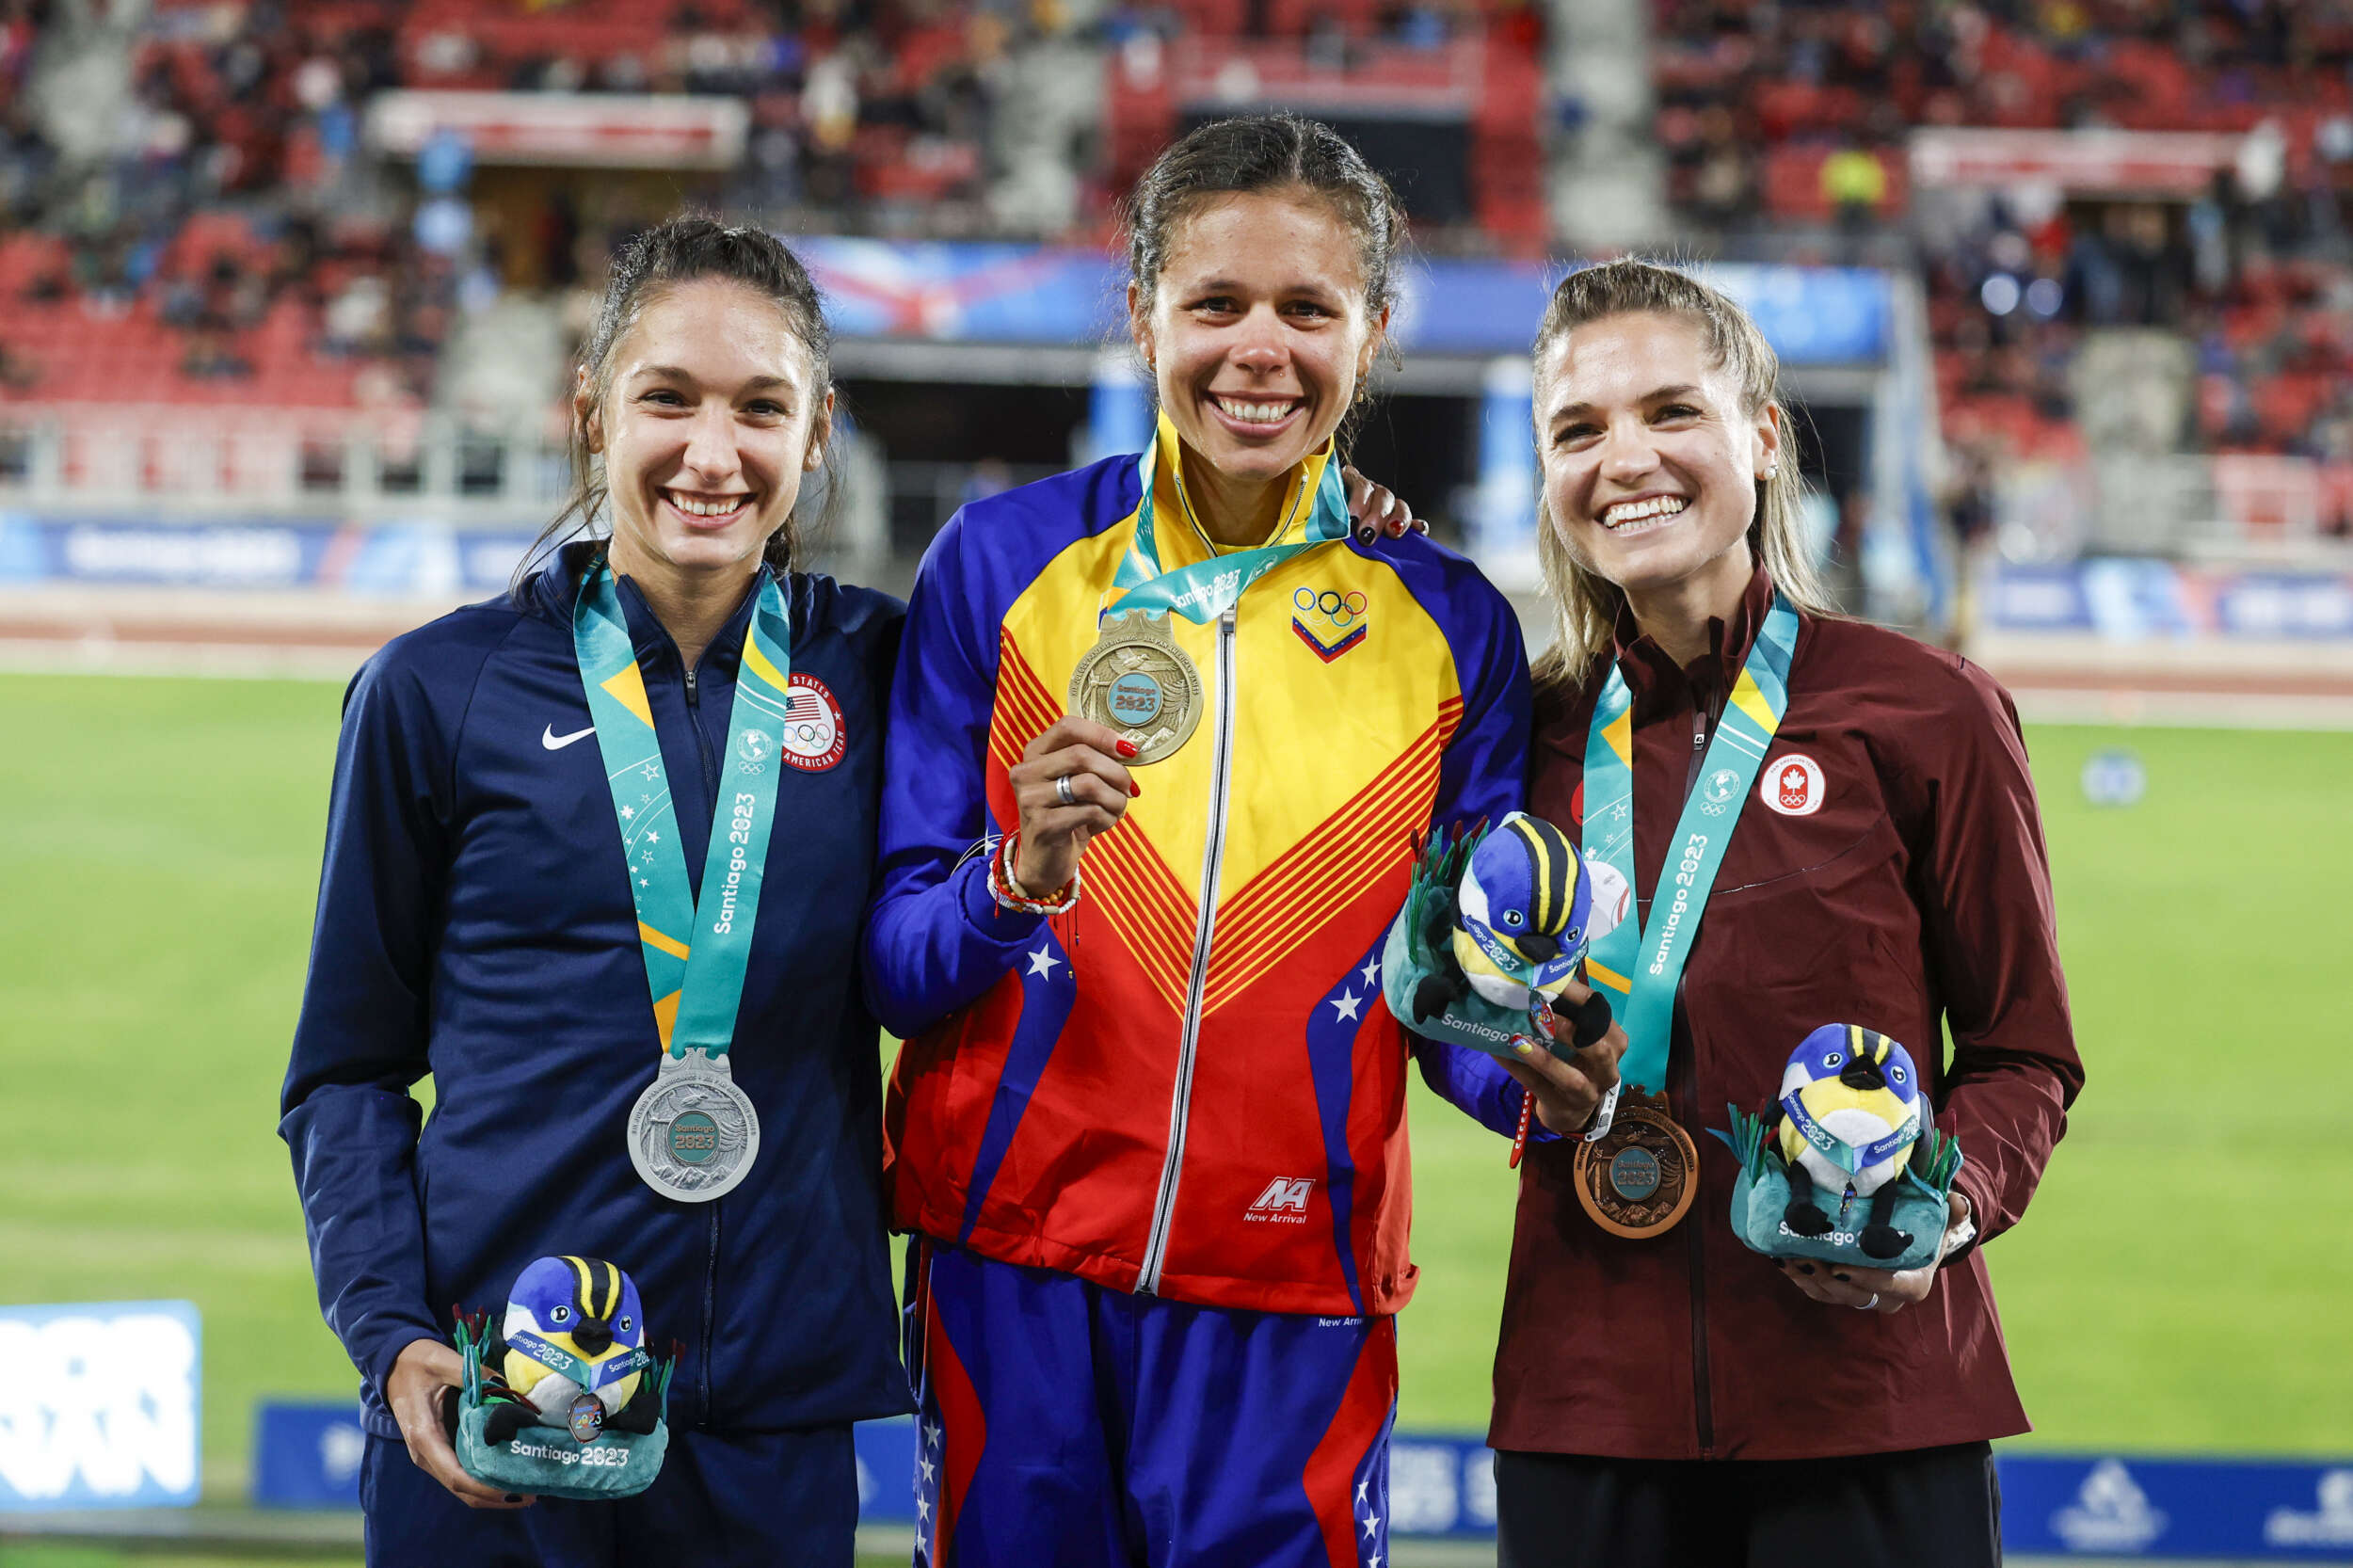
column 1148, row 1123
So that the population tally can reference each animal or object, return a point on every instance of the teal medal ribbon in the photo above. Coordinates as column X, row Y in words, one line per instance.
column 692, row 1135
column 1136, row 681
column 1644, row 969
column 1207, row 589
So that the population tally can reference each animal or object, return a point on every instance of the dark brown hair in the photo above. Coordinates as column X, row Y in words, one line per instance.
column 1264, row 152
column 686, row 249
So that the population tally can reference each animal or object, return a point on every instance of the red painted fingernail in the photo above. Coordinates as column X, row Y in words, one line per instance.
column 1134, row 788
column 1126, row 748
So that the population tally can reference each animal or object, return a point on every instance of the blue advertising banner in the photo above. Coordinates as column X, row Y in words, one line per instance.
column 2059, row 1506
column 390, row 559
column 100, row 1405
column 2246, row 1512
column 1025, row 293
column 307, row 1455
column 2132, row 600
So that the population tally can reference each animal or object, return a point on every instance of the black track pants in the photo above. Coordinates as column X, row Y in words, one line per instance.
column 1926, row 1508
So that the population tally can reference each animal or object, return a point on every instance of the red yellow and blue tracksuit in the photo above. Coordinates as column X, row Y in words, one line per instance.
column 1158, row 1144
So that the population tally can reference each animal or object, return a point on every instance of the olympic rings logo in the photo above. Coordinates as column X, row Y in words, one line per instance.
column 1341, row 610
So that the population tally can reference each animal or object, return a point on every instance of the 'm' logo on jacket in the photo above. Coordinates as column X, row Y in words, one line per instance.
column 1285, row 1201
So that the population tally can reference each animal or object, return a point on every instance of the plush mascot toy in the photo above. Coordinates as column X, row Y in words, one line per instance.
column 1496, row 922
column 561, row 1396
column 574, row 1336
column 1854, row 1137
column 1518, row 923
column 1851, row 1111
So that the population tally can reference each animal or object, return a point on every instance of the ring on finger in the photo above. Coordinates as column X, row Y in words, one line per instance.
column 1062, row 790
column 1871, row 1306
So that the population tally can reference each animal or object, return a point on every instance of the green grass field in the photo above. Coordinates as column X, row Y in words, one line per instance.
column 2177, row 1286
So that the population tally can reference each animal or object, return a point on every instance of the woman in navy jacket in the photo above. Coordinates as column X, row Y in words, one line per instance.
column 476, row 923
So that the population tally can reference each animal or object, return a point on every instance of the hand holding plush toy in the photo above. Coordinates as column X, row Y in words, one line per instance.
column 571, row 1331
column 1851, row 1170
column 1850, row 1104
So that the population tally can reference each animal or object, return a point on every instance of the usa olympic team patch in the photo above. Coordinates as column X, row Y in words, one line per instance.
column 1793, row 785
column 814, row 735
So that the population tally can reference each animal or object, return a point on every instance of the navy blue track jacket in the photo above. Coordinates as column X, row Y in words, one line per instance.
column 474, row 922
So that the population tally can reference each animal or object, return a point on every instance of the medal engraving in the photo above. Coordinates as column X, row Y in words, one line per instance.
column 692, row 1134
column 1135, row 679
column 1639, row 1178
column 585, row 1418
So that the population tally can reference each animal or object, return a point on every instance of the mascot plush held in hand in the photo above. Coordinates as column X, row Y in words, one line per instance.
column 1521, row 916
column 1851, row 1111
column 573, row 1340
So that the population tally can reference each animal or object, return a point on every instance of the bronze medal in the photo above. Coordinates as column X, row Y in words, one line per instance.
column 1136, row 681
column 1639, row 1178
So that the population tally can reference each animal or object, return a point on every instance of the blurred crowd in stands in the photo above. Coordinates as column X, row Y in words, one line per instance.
column 209, row 228
column 222, row 237
column 1779, row 115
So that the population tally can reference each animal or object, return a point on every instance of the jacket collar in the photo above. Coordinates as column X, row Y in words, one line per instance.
column 555, row 591
column 1650, row 673
column 1174, row 516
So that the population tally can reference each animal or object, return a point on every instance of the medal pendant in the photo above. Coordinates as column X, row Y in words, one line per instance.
column 1138, row 682
column 692, row 1134
column 1639, row 1178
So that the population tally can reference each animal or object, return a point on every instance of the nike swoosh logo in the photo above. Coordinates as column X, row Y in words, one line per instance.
column 553, row 742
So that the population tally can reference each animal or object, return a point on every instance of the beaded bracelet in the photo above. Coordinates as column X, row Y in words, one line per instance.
column 1008, row 893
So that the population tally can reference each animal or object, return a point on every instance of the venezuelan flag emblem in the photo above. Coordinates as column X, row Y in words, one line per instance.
column 1329, row 621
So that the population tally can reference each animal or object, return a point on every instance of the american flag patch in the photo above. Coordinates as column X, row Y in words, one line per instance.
column 813, row 737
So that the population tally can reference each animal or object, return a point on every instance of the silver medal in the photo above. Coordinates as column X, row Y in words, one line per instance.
column 692, row 1134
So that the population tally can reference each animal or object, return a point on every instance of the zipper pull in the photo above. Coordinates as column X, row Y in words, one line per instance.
column 690, row 700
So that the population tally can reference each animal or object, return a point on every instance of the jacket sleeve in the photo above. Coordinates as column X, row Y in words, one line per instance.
column 1994, row 945
column 360, row 1042
column 1480, row 776
column 935, row 938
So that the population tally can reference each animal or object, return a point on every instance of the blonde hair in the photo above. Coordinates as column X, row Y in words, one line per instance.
column 1585, row 604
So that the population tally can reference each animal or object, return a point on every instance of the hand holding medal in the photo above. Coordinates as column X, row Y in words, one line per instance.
column 1072, row 783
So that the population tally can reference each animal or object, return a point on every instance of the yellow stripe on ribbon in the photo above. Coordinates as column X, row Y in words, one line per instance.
column 1750, row 701
column 759, row 664
column 665, row 1016
column 660, row 943
column 1619, row 733
column 629, row 689
column 1607, row 976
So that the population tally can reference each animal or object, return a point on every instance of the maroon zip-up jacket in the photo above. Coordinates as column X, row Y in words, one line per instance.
column 1888, row 870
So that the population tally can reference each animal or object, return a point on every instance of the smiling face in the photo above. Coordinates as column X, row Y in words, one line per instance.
column 713, row 418
column 1258, row 330
column 1651, row 458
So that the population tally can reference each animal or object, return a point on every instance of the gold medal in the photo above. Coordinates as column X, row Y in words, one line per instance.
column 1138, row 682
column 1638, row 1179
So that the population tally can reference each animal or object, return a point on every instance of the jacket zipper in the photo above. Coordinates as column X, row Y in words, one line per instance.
column 710, row 1307
column 1703, row 1399
column 1213, row 855
column 711, row 1266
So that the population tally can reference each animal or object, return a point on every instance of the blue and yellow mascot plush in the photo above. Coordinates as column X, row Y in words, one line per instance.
column 1854, row 1170
column 1494, row 923
column 562, row 1398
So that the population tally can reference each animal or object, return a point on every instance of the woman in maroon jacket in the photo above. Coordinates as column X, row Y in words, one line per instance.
column 1663, row 1395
